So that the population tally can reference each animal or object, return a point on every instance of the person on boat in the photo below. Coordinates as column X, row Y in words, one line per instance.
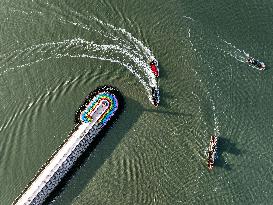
column 250, row 60
column 212, row 145
column 209, row 154
column 212, row 151
column 255, row 62
column 155, row 96
column 210, row 163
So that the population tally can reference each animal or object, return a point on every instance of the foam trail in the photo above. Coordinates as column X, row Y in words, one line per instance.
column 213, row 105
column 123, row 49
column 203, row 36
column 231, row 50
column 234, row 52
column 188, row 17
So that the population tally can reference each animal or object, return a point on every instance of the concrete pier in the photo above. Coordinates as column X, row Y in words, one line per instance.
column 97, row 112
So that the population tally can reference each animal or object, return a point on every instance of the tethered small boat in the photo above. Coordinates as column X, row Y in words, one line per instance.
column 259, row 64
column 154, row 67
column 212, row 151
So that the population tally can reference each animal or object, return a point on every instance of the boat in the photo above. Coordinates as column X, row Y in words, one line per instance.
column 155, row 96
column 259, row 64
column 154, row 67
column 212, row 151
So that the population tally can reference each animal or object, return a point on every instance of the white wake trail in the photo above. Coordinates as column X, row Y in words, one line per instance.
column 114, row 44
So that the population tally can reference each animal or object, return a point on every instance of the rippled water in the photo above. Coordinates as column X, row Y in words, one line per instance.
column 54, row 53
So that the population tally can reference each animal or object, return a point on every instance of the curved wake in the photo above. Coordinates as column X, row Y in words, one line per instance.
column 115, row 45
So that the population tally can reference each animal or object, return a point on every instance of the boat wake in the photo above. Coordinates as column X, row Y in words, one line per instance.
column 211, row 97
column 211, row 41
column 106, row 43
column 231, row 50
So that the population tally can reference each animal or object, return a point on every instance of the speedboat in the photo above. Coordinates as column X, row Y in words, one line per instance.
column 155, row 96
column 154, row 67
column 212, row 151
column 259, row 64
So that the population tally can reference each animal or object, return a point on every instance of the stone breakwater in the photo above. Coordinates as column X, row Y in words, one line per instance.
column 99, row 110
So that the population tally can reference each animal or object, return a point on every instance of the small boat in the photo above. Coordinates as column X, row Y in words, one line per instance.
column 154, row 67
column 212, row 151
column 259, row 64
column 155, row 96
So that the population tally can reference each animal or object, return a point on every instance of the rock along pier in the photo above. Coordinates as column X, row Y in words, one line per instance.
column 99, row 110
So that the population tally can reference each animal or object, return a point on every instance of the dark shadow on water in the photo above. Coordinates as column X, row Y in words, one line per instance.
column 87, row 167
column 163, row 96
column 225, row 145
column 128, row 117
column 162, row 72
